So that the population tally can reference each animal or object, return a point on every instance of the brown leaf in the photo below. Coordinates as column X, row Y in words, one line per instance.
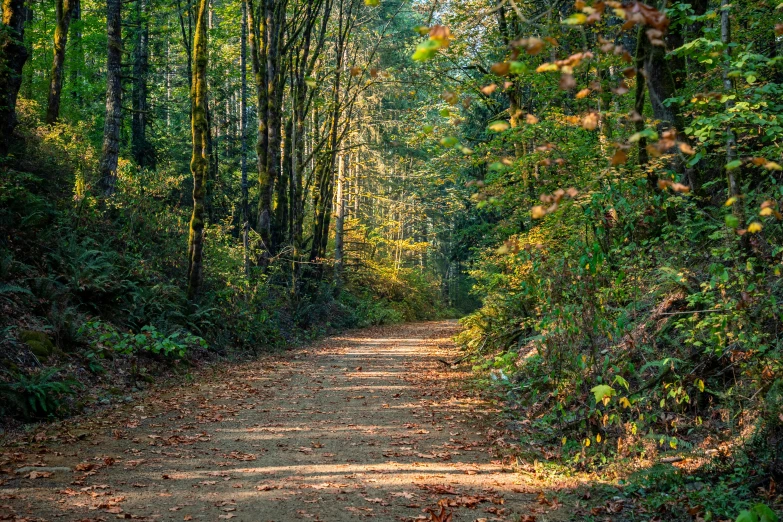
column 489, row 89
column 500, row 68
column 620, row 157
column 567, row 82
column 39, row 474
column 590, row 121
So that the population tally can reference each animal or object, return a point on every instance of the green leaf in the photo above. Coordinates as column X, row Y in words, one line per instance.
column 765, row 513
column 602, row 391
column 733, row 164
column 747, row 516
column 621, row 381
column 449, row 141
column 517, row 67
column 646, row 133
column 732, row 221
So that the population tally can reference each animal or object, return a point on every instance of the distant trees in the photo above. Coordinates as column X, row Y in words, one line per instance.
column 296, row 71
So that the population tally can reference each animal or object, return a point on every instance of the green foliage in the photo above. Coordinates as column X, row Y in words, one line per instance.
column 759, row 513
column 37, row 395
column 148, row 340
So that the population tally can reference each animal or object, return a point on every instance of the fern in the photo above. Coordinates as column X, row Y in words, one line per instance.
column 37, row 395
column 7, row 290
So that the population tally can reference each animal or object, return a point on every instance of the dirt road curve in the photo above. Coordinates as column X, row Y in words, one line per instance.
column 365, row 426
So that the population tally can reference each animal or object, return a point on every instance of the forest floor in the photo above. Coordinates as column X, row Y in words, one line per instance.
column 366, row 425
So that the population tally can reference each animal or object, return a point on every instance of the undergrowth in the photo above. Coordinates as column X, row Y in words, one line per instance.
column 622, row 347
column 92, row 293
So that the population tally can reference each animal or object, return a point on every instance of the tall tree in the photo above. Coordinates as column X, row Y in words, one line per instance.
column 111, row 127
column 243, row 138
column 199, row 162
column 274, row 13
column 141, row 149
column 13, row 55
column 63, row 12
column 77, row 62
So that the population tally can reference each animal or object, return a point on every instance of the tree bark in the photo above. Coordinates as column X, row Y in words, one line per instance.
column 111, row 128
column 141, row 149
column 243, row 138
column 339, row 220
column 731, row 140
column 63, row 10
column 275, row 23
column 324, row 191
column 78, row 54
column 13, row 55
column 257, row 40
column 199, row 163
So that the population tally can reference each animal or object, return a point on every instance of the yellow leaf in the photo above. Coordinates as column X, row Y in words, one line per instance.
column 700, row 384
column 547, row 67
column 687, row 149
column 586, row 442
column 766, row 211
column 575, row 19
column 624, row 402
column 771, row 165
column 537, row 212
column 531, row 120
column 598, row 438
column 584, row 93
column 730, row 201
column 498, row 126
column 755, row 227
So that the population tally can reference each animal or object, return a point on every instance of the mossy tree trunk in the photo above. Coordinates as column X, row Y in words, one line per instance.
column 257, row 41
column 199, row 162
column 13, row 55
column 111, row 127
column 275, row 23
column 64, row 11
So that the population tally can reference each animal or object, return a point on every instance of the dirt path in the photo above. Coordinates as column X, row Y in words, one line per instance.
column 363, row 426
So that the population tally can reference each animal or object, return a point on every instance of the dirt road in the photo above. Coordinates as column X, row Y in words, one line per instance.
column 368, row 425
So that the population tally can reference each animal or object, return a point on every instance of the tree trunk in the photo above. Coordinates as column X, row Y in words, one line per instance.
column 257, row 40
column 324, row 191
column 638, row 106
column 274, row 27
column 63, row 10
column 111, row 128
column 141, row 149
column 243, row 138
column 339, row 220
column 199, row 163
column 282, row 189
column 13, row 55
column 731, row 140
column 77, row 62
